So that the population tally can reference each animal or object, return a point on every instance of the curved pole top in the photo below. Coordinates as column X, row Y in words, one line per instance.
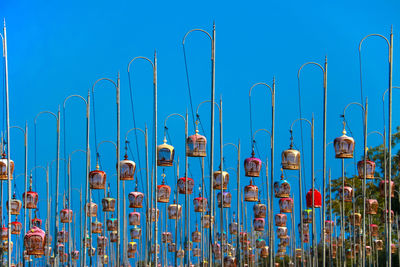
column 261, row 130
column 206, row 101
column 78, row 96
column 19, row 128
column 104, row 79
column 106, row 141
column 384, row 93
column 38, row 167
column 231, row 144
column 19, row 175
column 376, row 132
column 331, row 142
column 136, row 58
column 300, row 119
column 127, row 133
column 170, row 115
column 352, row 103
column 45, row 112
column 54, row 160
column 371, row 35
column 309, row 63
column 196, row 30
column 78, row 150
column 261, row 83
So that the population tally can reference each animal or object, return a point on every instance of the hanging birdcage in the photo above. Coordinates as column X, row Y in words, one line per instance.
column 36, row 221
column 368, row 250
column 166, row 237
column 104, row 259
column 136, row 232
column 171, row 247
column 390, row 217
column 284, row 241
column 75, row 255
column 112, row 224
column 180, row 253
column 348, row 193
column 355, row 219
column 282, row 188
column 87, row 241
column 219, row 235
column 102, row 241
column 286, row 205
column 282, row 231
column 163, row 192
column 259, row 224
column 196, row 235
column 34, row 241
column 151, row 214
column 181, row 184
column 349, row 254
column 373, row 230
column 230, row 261
column 252, row 166
column 291, row 157
column 3, row 168
column 260, row 210
column 260, row 243
column 196, row 252
column 317, row 199
column 91, row 251
column 132, row 247
column 280, row 219
column 97, row 227
column 298, row 253
column 220, row 178
column 174, row 211
column 207, row 220
column 16, row 227
column 382, row 188
column 306, row 228
column 91, row 209
column 153, row 249
column 97, row 178
column 113, row 236
column 370, row 172
column 134, row 218
column 66, row 216
column 344, row 146
column 30, row 199
column 15, row 205
column 251, row 192
column 62, row 236
column 378, row 244
column 233, row 228
column 306, row 238
column 196, row 145
column 371, row 206
column 108, row 204
column 307, row 216
column 227, row 199
column 264, row 252
column 394, row 248
column 200, row 204
column 63, row 257
column 127, row 169
column 329, row 226
column 165, row 154
column 135, row 200
column 243, row 237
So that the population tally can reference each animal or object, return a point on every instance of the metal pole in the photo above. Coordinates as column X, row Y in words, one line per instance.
column 212, row 141
column 148, row 223
column 57, row 180
column 314, row 234
column 272, row 258
column 390, row 143
column 301, row 218
column 118, row 173
column 363, row 249
column 342, row 217
column 83, row 263
column 222, row 182
column 48, row 213
column 155, row 153
column 26, row 182
column 238, row 208
column 324, row 160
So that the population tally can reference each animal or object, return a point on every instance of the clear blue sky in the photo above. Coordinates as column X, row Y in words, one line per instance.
column 58, row 49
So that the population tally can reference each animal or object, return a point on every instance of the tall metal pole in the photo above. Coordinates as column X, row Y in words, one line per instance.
column 314, row 231
column 222, row 183
column 212, row 140
column 324, row 160
column 26, row 181
column 238, row 207
column 272, row 173
column 57, row 179
column 8, row 137
column 363, row 250
column 155, row 153
column 83, row 263
column 390, row 144
column 342, row 216
column 118, row 255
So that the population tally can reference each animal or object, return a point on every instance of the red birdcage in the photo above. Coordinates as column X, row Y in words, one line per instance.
column 34, row 241
column 97, row 178
column 317, row 199
column 181, row 184
column 163, row 192
column 252, row 166
column 30, row 199
column 16, row 227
